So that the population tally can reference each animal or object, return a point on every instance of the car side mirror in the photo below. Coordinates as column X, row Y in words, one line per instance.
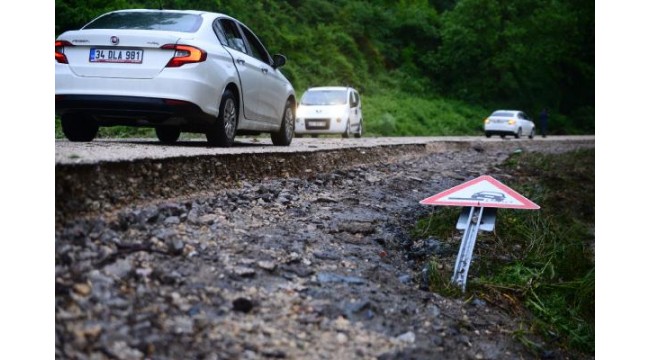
column 279, row 60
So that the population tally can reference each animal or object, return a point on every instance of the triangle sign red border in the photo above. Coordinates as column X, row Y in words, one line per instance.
column 484, row 191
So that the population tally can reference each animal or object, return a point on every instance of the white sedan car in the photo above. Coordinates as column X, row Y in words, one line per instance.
column 176, row 71
column 509, row 122
column 330, row 110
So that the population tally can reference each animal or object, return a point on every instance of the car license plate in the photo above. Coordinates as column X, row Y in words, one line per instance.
column 128, row 56
column 317, row 123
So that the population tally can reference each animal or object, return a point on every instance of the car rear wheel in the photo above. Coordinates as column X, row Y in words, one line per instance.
column 222, row 133
column 79, row 127
column 360, row 131
column 488, row 135
column 532, row 133
column 518, row 134
column 503, row 136
column 285, row 135
column 168, row 134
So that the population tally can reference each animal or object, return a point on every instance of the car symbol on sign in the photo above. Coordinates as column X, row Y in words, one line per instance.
column 489, row 195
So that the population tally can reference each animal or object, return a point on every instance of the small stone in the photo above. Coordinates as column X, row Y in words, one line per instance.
column 243, row 271
column 172, row 220
column 408, row 337
column 267, row 265
column 242, row 305
column 176, row 247
column 341, row 338
column 82, row 289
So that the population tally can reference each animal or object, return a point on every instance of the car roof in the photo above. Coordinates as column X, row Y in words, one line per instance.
column 196, row 12
column 329, row 88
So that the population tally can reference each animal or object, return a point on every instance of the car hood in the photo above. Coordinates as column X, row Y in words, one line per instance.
column 318, row 111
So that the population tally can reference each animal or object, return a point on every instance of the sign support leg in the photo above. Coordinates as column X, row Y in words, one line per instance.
column 467, row 247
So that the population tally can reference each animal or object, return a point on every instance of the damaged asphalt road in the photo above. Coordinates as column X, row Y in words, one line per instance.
column 260, row 258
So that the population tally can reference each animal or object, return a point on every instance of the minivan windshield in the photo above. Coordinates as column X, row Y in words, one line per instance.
column 325, row 97
column 148, row 20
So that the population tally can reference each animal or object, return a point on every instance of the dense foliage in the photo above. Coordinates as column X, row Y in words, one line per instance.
column 484, row 54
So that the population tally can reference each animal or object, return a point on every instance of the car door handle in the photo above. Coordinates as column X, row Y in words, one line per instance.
column 265, row 70
column 241, row 62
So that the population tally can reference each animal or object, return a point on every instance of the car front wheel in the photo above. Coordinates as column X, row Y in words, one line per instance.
column 347, row 132
column 488, row 135
column 222, row 133
column 360, row 131
column 168, row 134
column 532, row 133
column 79, row 127
column 518, row 133
column 284, row 136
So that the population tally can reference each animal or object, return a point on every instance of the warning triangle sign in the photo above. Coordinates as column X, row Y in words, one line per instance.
column 484, row 191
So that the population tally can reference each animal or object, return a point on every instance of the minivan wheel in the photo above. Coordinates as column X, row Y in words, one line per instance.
column 79, row 127
column 168, row 134
column 284, row 136
column 347, row 132
column 222, row 132
column 360, row 131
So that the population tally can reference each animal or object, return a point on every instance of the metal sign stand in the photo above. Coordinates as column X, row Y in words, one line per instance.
column 472, row 219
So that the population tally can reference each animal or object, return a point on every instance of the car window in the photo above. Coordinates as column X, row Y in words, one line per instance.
column 216, row 26
column 356, row 99
column 234, row 39
column 147, row 20
column 324, row 97
column 257, row 49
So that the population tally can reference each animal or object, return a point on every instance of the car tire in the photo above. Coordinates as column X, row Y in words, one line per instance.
column 222, row 132
column 347, row 132
column 168, row 134
column 518, row 133
column 503, row 136
column 488, row 135
column 79, row 127
column 532, row 133
column 284, row 136
column 360, row 131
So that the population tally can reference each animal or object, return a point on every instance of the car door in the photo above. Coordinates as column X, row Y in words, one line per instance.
column 271, row 86
column 528, row 124
column 355, row 109
column 250, row 75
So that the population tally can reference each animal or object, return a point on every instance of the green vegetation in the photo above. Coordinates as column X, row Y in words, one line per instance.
column 539, row 260
column 436, row 67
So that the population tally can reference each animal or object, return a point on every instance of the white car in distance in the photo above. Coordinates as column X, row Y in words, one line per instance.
column 509, row 122
column 173, row 70
column 330, row 110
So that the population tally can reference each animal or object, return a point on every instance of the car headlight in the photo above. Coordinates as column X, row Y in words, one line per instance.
column 300, row 112
column 487, row 121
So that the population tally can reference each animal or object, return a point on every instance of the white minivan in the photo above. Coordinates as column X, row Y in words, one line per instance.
column 330, row 110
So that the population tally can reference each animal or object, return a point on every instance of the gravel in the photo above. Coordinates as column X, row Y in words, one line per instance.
column 275, row 264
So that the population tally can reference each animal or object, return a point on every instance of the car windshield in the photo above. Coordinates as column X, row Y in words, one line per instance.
column 325, row 97
column 502, row 114
column 148, row 20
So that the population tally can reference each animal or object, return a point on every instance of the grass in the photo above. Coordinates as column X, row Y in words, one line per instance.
column 537, row 262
